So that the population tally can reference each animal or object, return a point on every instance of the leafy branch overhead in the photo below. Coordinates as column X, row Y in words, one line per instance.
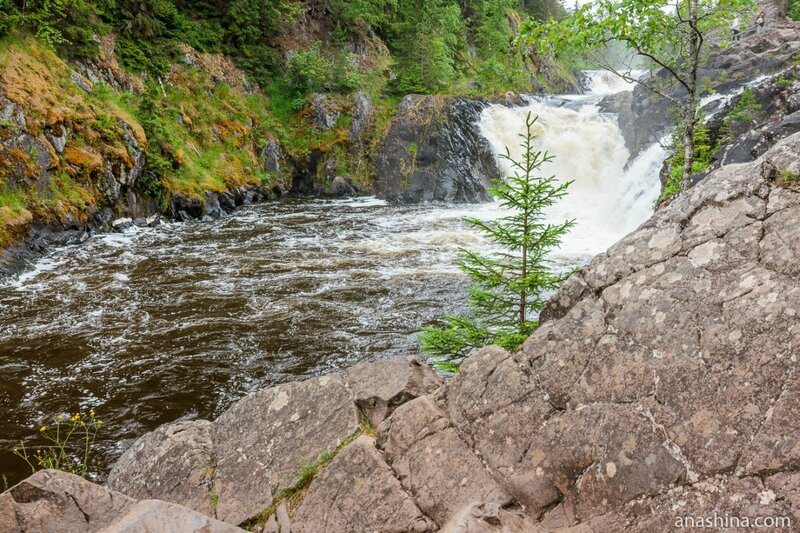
column 671, row 36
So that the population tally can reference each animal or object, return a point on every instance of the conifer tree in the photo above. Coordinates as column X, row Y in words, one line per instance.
column 510, row 287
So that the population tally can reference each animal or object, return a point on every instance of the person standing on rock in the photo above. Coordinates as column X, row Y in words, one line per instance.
column 736, row 29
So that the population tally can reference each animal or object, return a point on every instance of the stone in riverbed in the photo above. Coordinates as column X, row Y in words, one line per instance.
column 358, row 492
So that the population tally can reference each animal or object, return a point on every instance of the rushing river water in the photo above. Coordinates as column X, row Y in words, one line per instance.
column 178, row 322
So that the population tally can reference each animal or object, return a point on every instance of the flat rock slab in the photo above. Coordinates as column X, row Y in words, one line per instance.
column 51, row 500
column 358, row 492
column 262, row 440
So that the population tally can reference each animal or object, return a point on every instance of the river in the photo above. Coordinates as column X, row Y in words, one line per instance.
column 154, row 325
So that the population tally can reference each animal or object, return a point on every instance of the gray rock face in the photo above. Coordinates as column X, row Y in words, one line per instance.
column 777, row 117
column 56, row 501
column 361, row 116
column 324, row 111
column 232, row 468
column 379, row 388
column 433, row 463
column 358, row 492
column 433, row 151
column 263, row 439
column 340, row 187
column 176, row 459
column 272, row 155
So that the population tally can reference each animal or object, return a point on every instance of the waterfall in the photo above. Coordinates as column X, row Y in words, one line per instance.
column 610, row 195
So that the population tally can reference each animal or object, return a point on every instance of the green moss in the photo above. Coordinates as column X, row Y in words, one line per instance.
column 293, row 496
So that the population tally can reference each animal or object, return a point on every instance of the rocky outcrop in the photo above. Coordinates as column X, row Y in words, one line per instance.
column 433, row 151
column 645, row 118
column 236, row 465
column 662, row 385
column 56, row 501
column 775, row 115
column 357, row 493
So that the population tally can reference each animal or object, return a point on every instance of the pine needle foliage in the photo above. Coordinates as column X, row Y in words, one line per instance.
column 510, row 287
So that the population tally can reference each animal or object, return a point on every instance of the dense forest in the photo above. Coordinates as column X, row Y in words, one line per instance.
column 434, row 45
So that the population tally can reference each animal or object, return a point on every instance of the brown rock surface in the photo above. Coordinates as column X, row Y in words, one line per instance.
column 54, row 501
column 358, row 492
column 662, row 385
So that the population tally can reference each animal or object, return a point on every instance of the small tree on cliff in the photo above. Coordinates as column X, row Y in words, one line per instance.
column 669, row 34
column 508, row 288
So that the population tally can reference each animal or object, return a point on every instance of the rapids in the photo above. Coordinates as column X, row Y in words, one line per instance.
column 150, row 326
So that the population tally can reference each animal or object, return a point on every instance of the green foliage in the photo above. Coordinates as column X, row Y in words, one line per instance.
column 793, row 9
column 427, row 38
column 704, row 151
column 362, row 15
column 69, row 448
column 746, row 111
column 66, row 25
column 309, row 71
column 509, row 288
column 11, row 197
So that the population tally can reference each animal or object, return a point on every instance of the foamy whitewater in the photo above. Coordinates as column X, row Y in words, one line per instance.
column 179, row 321
column 610, row 195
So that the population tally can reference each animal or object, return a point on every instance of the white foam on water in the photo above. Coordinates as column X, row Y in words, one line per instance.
column 608, row 197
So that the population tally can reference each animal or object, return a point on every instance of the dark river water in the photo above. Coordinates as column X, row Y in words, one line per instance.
column 177, row 322
column 180, row 321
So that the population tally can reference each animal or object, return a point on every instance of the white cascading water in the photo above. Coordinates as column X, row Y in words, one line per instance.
column 610, row 195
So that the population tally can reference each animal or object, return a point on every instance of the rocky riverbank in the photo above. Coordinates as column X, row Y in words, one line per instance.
column 661, row 385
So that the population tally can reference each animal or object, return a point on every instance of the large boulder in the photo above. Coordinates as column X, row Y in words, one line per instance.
column 51, row 500
column 175, row 459
column 434, row 151
column 262, row 440
column 233, row 467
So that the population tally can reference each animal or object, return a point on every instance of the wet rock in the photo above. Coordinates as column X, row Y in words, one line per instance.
column 56, row 501
column 153, row 221
column 212, row 207
column 324, row 112
column 434, row 151
column 358, row 492
column 379, row 388
column 185, row 207
column 174, row 463
column 227, row 201
column 122, row 224
column 340, row 187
